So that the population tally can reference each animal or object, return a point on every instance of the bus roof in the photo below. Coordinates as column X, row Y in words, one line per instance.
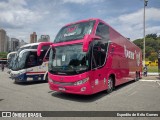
column 31, row 44
column 91, row 19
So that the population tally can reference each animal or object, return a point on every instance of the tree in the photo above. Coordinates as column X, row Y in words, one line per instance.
column 152, row 35
column 153, row 56
column 152, row 46
column 3, row 54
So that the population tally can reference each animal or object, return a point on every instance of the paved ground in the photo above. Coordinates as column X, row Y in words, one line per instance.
column 151, row 77
column 133, row 96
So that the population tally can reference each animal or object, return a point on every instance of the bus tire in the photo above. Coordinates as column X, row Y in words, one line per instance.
column 15, row 82
column 110, row 85
column 137, row 76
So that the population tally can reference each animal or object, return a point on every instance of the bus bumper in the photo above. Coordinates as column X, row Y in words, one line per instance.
column 19, row 77
column 84, row 89
column 27, row 78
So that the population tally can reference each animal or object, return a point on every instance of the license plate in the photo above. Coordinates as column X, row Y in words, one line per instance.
column 62, row 89
column 29, row 79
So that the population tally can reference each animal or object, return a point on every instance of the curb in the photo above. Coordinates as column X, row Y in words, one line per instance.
column 150, row 80
column 153, row 74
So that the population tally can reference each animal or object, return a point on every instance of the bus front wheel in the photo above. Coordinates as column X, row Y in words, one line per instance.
column 110, row 85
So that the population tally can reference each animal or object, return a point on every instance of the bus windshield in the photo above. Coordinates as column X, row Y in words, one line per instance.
column 68, row 60
column 10, row 58
column 19, row 61
column 74, row 31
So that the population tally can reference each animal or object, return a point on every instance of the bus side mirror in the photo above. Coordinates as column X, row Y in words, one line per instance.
column 87, row 39
column 46, row 57
column 52, row 47
column 41, row 45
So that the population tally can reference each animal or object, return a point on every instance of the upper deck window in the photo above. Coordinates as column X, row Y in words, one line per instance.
column 74, row 31
column 102, row 31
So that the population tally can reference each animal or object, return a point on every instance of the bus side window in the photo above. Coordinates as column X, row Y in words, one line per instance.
column 32, row 61
column 103, row 31
column 98, row 54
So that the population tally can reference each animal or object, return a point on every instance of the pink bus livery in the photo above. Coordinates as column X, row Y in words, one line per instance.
column 90, row 56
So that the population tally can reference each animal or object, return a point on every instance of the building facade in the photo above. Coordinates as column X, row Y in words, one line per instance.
column 6, row 46
column 33, row 37
column 14, row 44
column 44, row 38
column 22, row 43
column 2, row 40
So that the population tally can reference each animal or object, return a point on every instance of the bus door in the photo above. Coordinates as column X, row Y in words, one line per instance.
column 31, row 65
column 43, row 51
column 34, row 65
column 98, row 59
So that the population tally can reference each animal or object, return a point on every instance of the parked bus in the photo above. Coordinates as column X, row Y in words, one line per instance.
column 27, row 66
column 10, row 57
column 90, row 56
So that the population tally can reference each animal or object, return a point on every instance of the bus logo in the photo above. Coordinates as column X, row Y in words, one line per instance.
column 128, row 54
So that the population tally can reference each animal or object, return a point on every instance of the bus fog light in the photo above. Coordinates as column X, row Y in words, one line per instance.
column 83, row 89
column 81, row 81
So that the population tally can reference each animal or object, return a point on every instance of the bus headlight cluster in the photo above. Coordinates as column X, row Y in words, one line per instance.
column 80, row 82
column 50, row 80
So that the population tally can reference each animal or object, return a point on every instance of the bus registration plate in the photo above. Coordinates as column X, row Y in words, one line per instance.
column 62, row 89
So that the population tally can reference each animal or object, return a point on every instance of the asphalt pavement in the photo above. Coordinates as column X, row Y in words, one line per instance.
column 142, row 95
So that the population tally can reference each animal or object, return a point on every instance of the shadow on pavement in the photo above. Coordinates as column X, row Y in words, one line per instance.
column 86, row 98
column 30, row 83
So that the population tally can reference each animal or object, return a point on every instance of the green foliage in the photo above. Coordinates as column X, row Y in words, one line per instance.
column 152, row 46
column 3, row 54
column 152, row 69
column 139, row 43
column 152, row 57
column 152, row 35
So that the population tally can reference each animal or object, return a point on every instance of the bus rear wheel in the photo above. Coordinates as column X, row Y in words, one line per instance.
column 110, row 85
column 137, row 76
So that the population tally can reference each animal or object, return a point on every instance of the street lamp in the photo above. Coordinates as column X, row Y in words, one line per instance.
column 144, row 42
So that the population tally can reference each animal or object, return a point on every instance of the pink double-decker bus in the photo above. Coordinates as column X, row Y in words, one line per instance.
column 90, row 56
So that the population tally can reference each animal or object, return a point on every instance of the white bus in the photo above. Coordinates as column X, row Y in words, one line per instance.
column 10, row 57
column 28, row 66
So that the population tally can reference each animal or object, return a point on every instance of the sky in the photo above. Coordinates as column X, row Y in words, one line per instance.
column 20, row 18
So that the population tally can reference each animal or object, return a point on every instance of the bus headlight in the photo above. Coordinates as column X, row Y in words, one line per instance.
column 50, row 80
column 81, row 81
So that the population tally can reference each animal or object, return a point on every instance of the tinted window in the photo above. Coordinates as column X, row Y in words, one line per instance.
column 103, row 31
column 99, row 50
column 74, row 31
column 34, row 47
